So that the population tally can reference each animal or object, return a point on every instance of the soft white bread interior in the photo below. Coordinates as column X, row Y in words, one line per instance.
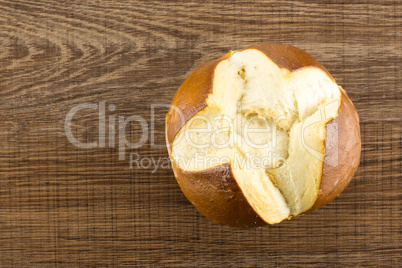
column 268, row 123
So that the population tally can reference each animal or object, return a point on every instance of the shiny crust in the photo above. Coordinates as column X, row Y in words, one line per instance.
column 216, row 195
column 342, row 150
column 214, row 192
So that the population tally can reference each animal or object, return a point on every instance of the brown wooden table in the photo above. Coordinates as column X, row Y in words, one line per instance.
column 61, row 205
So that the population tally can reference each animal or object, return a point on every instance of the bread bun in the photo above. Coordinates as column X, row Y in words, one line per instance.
column 260, row 135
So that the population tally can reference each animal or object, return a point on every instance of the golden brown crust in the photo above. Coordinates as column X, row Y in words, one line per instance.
column 216, row 194
column 342, row 156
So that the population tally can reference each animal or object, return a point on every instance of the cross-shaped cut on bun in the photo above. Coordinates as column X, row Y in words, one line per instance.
column 261, row 135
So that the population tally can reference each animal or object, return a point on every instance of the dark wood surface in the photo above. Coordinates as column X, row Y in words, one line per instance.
column 66, row 206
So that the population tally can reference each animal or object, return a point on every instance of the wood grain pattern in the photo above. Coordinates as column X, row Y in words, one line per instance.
column 66, row 206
